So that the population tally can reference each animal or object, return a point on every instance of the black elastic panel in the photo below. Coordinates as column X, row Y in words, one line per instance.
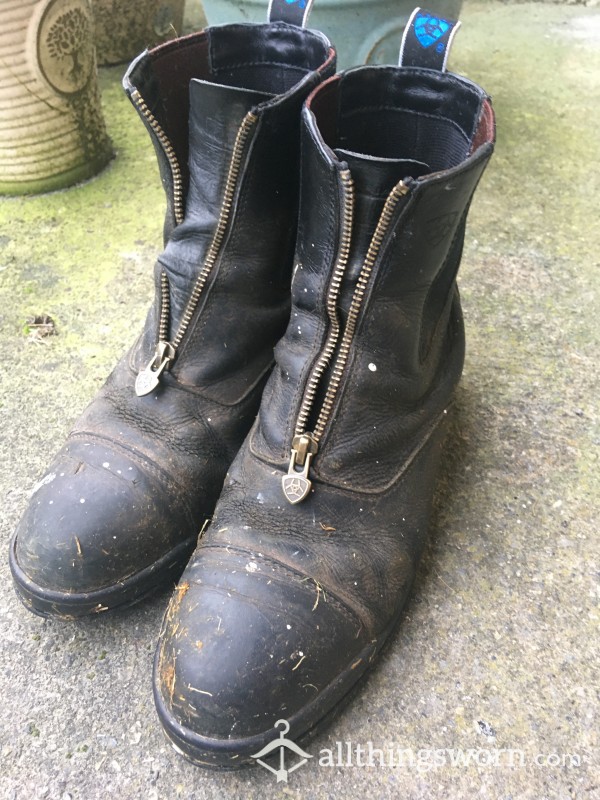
column 405, row 134
column 407, row 113
column 265, row 58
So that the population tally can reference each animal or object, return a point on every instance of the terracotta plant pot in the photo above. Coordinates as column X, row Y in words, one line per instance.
column 126, row 27
column 52, row 132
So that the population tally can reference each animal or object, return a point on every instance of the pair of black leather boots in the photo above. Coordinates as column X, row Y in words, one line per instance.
column 318, row 471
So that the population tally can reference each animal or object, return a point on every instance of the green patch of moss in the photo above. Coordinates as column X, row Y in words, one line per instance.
column 33, row 730
column 542, row 188
column 90, row 242
column 85, row 257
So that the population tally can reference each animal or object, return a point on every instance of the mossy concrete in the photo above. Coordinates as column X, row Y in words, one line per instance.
column 499, row 646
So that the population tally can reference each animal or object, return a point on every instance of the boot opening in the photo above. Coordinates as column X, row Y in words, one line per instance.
column 434, row 118
column 264, row 58
column 272, row 59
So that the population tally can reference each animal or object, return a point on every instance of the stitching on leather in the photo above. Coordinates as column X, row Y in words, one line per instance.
column 172, row 383
column 198, row 325
column 335, row 217
column 335, row 418
column 374, row 109
column 142, row 462
column 309, row 363
column 329, row 250
column 242, row 64
column 441, row 77
column 423, row 353
column 238, row 209
column 406, row 464
column 288, row 572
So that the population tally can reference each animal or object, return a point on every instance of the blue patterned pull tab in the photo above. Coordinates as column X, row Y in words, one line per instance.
column 295, row 12
column 427, row 40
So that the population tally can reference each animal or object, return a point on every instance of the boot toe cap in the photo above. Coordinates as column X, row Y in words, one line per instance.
column 267, row 645
column 94, row 521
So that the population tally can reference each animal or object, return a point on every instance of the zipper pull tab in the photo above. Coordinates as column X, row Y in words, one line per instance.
column 296, row 484
column 149, row 378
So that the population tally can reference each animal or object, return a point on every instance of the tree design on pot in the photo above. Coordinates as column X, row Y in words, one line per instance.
column 70, row 37
column 51, row 124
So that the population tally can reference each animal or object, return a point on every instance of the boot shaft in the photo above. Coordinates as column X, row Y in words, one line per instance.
column 223, row 108
column 243, row 55
column 375, row 345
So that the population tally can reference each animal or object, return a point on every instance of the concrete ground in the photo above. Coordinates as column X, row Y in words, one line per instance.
column 499, row 646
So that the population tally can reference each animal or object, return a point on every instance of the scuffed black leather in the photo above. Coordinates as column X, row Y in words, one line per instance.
column 139, row 476
column 290, row 598
column 228, row 363
column 231, row 55
column 298, row 599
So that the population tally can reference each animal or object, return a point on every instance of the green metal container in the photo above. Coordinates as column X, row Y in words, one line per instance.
column 364, row 31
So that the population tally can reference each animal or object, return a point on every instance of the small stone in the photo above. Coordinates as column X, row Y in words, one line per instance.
column 486, row 728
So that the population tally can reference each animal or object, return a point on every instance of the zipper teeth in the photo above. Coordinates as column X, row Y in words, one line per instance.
column 165, row 303
column 169, row 152
column 230, row 186
column 357, row 300
column 332, row 297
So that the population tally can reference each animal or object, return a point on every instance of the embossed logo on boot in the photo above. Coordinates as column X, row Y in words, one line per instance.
column 429, row 30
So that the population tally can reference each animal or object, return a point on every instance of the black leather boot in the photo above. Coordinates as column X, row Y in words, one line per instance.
column 118, row 512
column 315, row 540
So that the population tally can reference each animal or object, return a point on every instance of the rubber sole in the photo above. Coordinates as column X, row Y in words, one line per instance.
column 73, row 605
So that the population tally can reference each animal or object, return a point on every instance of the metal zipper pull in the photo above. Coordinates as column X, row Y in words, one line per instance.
column 296, row 484
column 149, row 378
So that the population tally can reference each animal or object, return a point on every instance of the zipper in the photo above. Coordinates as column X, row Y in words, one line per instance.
column 332, row 298
column 305, row 445
column 166, row 351
column 168, row 150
